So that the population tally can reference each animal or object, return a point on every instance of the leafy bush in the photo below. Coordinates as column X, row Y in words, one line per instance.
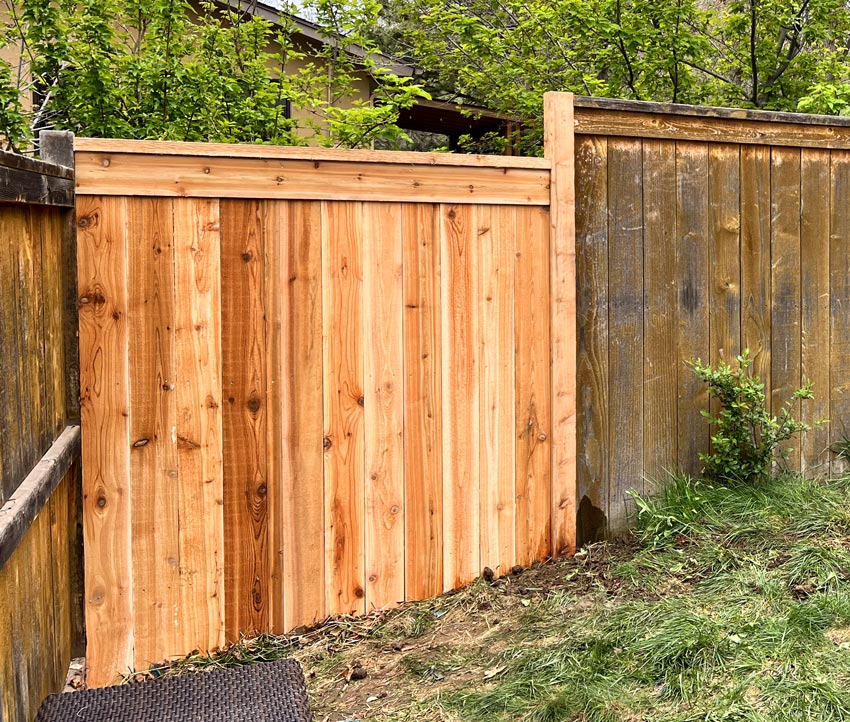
column 746, row 435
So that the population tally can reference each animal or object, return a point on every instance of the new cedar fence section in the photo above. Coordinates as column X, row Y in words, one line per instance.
column 40, row 578
column 319, row 382
column 313, row 382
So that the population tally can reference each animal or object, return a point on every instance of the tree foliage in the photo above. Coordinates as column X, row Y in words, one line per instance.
column 165, row 70
column 503, row 54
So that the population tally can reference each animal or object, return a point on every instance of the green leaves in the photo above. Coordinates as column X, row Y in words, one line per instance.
column 746, row 436
column 165, row 69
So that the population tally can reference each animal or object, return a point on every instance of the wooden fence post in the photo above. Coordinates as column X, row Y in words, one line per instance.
column 559, row 148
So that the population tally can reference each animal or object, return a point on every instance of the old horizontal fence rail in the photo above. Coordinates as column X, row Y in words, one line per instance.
column 313, row 382
column 40, row 578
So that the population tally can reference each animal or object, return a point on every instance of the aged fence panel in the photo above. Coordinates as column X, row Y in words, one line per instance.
column 702, row 232
column 321, row 387
column 40, row 555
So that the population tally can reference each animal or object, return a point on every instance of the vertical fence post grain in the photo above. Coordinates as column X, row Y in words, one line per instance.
column 559, row 148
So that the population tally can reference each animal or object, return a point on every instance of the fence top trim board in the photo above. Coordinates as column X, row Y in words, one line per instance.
column 273, row 152
column 31, row 181
column 636, row 119
column 259, row 172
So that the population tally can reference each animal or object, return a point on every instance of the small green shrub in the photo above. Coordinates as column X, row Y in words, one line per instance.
column 746, row 435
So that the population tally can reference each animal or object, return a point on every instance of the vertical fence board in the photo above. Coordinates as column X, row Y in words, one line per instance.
column 300, row 508
column 460, row 392
column 383, row 404
column 423, row 402
column 52, row 303
column 497, row 254
column 107, row 511
column 839, row 282
column 693, row 261
column 755, row 258
column 592, row 374
column 785, row 358
column 660, row 373
column 153, row 450
column 246, row 229
column 342, row 281
column 814, row 318
column 199, row 432
column 533, row 415
column 625, row 325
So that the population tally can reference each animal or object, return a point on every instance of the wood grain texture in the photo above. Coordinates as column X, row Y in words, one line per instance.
column 693, row 302
column 247, row 228
column 342, row 301
column 423, row 410
column 661, row 343
column 625, row 326
column 383, row 404
column 299, row 526
column 532, row 387
column 839, row 283
column 107, row 491
column 153, row 443
column 559, row 148
column 592, row 373
column 291, row 179
column 785, row 358
column 755, row 259
column 815, row 303
column 460, row 394
column 199, row 431
column 497, row 247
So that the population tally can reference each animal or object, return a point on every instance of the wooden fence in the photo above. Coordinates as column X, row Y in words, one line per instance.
column 318, row 382
column 313, row 382
column 700, row 233
column 40, row 555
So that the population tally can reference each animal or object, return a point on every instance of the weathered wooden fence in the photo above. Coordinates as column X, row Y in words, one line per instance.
column 700, row 233
column 313, row 382
column 40, row 576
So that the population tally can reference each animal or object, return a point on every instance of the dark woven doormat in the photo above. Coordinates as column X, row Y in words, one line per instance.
column 270, row 692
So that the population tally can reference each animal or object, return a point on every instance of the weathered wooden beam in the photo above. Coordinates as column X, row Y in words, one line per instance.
column 19, row 512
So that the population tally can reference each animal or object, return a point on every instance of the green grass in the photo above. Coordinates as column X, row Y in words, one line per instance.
column 730, row 604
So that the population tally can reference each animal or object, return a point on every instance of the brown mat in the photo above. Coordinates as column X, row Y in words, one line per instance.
column 269, row 692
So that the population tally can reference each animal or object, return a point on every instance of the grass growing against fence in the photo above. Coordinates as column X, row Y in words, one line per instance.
column 732, row 603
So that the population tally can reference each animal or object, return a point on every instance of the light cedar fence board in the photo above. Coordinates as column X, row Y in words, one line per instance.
column 839, row 263
column 247, row 228
column 383, row 404
column 107, row 491
column 300, row 506
column 755, row 259
column 342, row 300
column 625, row 325
column 592, row 373
column 460, row 394
column 693, row 302
column 785, row 287
column 423, row 409
column 199, row 424
column 559, row 148
column 497, row 238
column 153, row 445
column 660, row 374
column 533, row 414
column 294, row 179
column 814, row 317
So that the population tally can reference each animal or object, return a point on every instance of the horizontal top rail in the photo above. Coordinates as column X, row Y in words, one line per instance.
column 205, row 170
column 27, row 180
column 637, row 119
column 308, row 153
